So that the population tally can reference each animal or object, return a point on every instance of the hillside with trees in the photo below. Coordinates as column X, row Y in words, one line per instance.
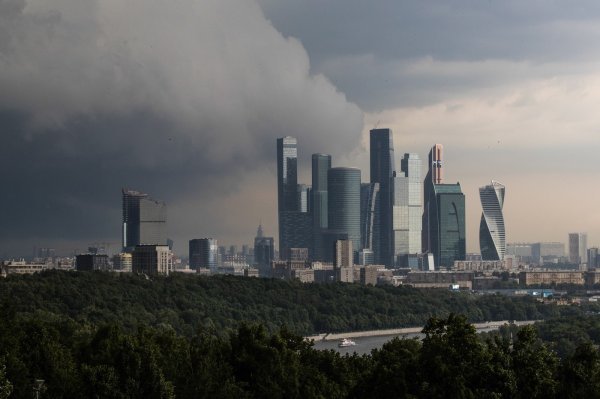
column 188, row 303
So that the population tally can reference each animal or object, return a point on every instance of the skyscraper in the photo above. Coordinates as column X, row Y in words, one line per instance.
column 492, row 234
column 383, row 171
column 344, row 203
column 369, row 232
column 443, row 215
column 321, row 163
column 144, row 220
column 408, row 212
column 435, row 175
column 287, row 189
column 578, row 248
column 204, row 254
column 264, row 252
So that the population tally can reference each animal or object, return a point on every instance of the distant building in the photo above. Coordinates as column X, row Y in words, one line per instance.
column 369, row 227
column 383, row 171
column 203, row 254
column 440, row 279
column 144, row 220
column 368, row 275
column 443, row 215
column 492, row 233
column 88, row 262
column 542, row 252
column 407, row 210
column 321, row 163
column 578, row 248
column 521, row 251
column 297, row 254
column 152, row 259
column 344, row 203
column 593, row 258
column 287, row 191
column 264, row 252
column 20, row 267
column 344, row 255
column 552, row 277
column 123, row 262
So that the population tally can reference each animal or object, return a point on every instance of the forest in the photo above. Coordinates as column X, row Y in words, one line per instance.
column 188, row 303
column 102, row 335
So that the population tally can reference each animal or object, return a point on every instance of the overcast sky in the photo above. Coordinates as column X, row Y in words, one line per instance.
column 184, row 99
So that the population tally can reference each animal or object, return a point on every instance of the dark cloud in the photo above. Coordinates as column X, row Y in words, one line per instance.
column 180, row 100
column 374, row 50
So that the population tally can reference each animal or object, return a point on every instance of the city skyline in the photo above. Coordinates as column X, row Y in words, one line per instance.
column 185, row 107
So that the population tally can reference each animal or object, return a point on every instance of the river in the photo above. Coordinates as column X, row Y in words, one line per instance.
column 366, row 341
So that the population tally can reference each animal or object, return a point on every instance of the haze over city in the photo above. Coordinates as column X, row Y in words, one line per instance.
column 184, row 101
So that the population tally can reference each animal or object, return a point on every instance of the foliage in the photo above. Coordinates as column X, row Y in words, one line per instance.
column 219, row 303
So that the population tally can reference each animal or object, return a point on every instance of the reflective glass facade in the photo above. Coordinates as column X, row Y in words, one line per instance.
column 287, row 182
column 383, row 171
column 321, row 163
column 144, row 220
column 492, row 233
column 447, row 224
column 344, row 202
column 408, row 209
column 204, row 254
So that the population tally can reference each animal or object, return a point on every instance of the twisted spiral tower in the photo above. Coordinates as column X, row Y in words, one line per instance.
column 492, row 234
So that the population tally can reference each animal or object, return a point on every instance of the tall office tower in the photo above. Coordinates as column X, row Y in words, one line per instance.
column 321, row 163
column 264, row 252
column 593, row 258
column 408, row 212
column 369, row 231
column 492, row 234
column 204, row 254
column 435, row 175
column 344, row 203
column 344, row 255
column 383, row 171
column 578, row 248
column 443, row 215
column 304, row 200
column 144, row 220
column 287, row 187
column 152, row 259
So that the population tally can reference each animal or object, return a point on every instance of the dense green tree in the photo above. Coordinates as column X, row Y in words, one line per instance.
column 534, row 365
column 5, row 385
column 580, row 374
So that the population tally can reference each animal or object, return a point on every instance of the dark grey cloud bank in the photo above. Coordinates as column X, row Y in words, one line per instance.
column 180, row 99
column 388, row 53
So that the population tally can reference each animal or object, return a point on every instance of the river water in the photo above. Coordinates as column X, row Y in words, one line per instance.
column 364, row 345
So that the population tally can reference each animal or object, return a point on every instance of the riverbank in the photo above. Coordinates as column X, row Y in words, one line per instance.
column 481, row 327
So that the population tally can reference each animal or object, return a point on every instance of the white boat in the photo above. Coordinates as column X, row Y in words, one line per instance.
column 346, row 342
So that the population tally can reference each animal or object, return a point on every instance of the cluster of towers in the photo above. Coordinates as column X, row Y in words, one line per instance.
column 394, row 220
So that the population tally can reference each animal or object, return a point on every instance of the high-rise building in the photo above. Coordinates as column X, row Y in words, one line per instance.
column 344, row 203
column 369, row 231
column 383, row 171
column 264, row 253
column 578, row 248
column 89, row 262
column 443, row 214
column 542, row 252
column 408, row 211
column 593, row 258
column 287, row 187
column 144, row 220
column 321, row 163
column 344, row 255
column 435, row 175
column 203, row 254
column 152, row 259
column 492, row 233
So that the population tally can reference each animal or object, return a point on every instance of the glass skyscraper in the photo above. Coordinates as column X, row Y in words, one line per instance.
column 369, row 232
column 578, row 248
column 287, row 189
column 204, row 254
column 144, row 220
column 408, row 211
column 321, row 163
column 492, row 233
column 344, row 203
column 383, row 171
column 443, row 215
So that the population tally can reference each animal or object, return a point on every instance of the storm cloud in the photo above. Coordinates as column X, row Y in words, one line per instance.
column 180, row 99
